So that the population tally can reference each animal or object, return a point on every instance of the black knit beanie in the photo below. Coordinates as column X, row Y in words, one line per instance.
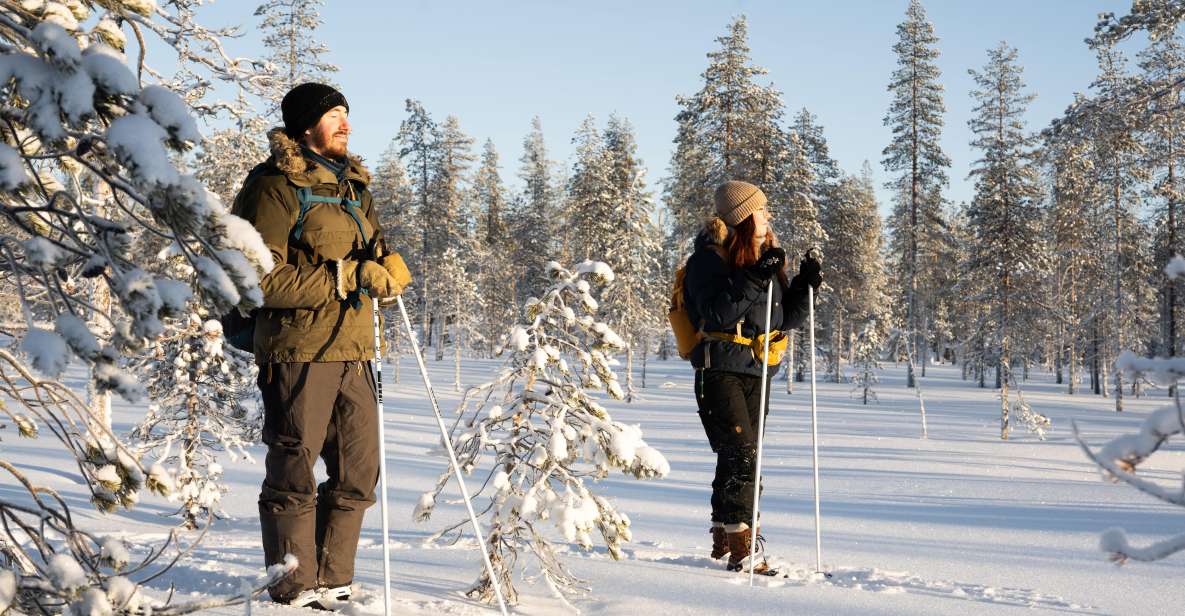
column 304, row 105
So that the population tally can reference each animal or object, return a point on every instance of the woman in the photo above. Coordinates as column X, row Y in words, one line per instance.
column 725, row 285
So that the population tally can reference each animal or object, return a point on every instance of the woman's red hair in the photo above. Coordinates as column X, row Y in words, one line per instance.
column 742, row 252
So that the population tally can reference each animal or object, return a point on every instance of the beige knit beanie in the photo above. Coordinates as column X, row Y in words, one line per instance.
column 735, row 201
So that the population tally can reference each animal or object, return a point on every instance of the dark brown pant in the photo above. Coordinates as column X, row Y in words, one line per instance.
column 324, row 409
column 729, row 407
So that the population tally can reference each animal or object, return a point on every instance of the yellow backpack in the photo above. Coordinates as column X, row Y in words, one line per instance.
column 687, row 335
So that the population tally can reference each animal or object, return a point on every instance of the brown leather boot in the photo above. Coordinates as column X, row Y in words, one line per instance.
column 739, row 548
column 719, row 542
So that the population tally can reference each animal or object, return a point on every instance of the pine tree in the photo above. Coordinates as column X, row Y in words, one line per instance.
column 394, row 203
column 497, row 270
column 547, row 437
column 635, row 300
column 1071, row 236
column 449, row 224
column 855, row 270
column 203, row 405
column 81, row 132
column 729, row 130
column 536, row 214
column 1005, row 214
column 1119, row 169
column 915, row 117
column 417, row 140
column 295, row 55
column 1163, row 66
column 592, row 198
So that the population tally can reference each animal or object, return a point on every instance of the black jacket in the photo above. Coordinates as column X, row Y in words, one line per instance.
column 718, row 297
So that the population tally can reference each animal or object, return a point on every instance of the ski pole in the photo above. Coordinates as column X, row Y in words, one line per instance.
column 769, row 305
column 814, row 431
column 378, row 389
column 452, row 456
column 810, row 297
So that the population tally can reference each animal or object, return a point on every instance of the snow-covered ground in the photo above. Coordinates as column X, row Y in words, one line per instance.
column 960, row 523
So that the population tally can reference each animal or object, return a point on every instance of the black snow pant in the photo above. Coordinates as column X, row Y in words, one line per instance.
column 729, row 407
column 311, row 410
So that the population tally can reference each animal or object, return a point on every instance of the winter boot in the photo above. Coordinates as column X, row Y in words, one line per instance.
column 336, row 593
column 309, row 597
column 739, row 556
column 719, row 543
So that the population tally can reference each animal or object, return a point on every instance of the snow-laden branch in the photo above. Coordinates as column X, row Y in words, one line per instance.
column 547, row 435
column 1121, row 456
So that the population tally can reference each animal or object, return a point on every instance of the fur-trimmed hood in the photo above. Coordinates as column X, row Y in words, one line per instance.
column 291, row 162
column 712, row 235
column 715, row 232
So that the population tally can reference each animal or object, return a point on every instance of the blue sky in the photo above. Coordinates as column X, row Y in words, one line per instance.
column 495, row 65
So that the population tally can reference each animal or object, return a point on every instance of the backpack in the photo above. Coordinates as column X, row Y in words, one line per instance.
column 239, row 329
column 687, row 335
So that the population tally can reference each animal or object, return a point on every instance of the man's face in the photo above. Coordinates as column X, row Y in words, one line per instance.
column 331, row 135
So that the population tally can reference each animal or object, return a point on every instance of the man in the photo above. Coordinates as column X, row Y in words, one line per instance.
column 313, row 339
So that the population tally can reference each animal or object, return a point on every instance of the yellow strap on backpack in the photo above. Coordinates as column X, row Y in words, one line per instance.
column 778, row 342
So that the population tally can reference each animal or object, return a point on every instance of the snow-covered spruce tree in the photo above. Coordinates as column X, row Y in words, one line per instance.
column 395, row 204
column 448, row 224
column 916, row 156
column 81, row 130
column 536, row 217
column 544, row 438
column 203, row 406
column 591, row 200
column 1119, row 170
column 793, row 182
column 1004, row 214
column 729, row 130
column 866, row 359
column 1163, row 66
column 417, row 141
column 1070, row 233
column 496, row 269
column 460, row 304
column 636, row 298
column 855, row 270
column 295, row 56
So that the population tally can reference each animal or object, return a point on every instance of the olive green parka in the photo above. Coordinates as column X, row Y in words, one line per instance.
column 310, row 314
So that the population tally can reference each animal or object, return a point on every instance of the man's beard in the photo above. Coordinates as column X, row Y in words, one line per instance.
column 333, row 148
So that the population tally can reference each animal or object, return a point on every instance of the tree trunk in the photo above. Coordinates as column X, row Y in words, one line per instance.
column 1073, row 367
column 629, row 371
column 645, row 353
column 836, row 344
column 456, row 356
column 1002, row 377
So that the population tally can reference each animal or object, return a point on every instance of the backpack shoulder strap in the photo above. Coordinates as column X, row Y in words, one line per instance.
column 305, row 195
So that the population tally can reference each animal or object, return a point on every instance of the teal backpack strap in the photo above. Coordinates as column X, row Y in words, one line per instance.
column 307, row 199
column 354, row 207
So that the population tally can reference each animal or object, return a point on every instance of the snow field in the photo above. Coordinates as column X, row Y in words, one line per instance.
column 961, row 523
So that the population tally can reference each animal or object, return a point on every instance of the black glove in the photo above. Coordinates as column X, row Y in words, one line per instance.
column 810, row 271
column 768, row 265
